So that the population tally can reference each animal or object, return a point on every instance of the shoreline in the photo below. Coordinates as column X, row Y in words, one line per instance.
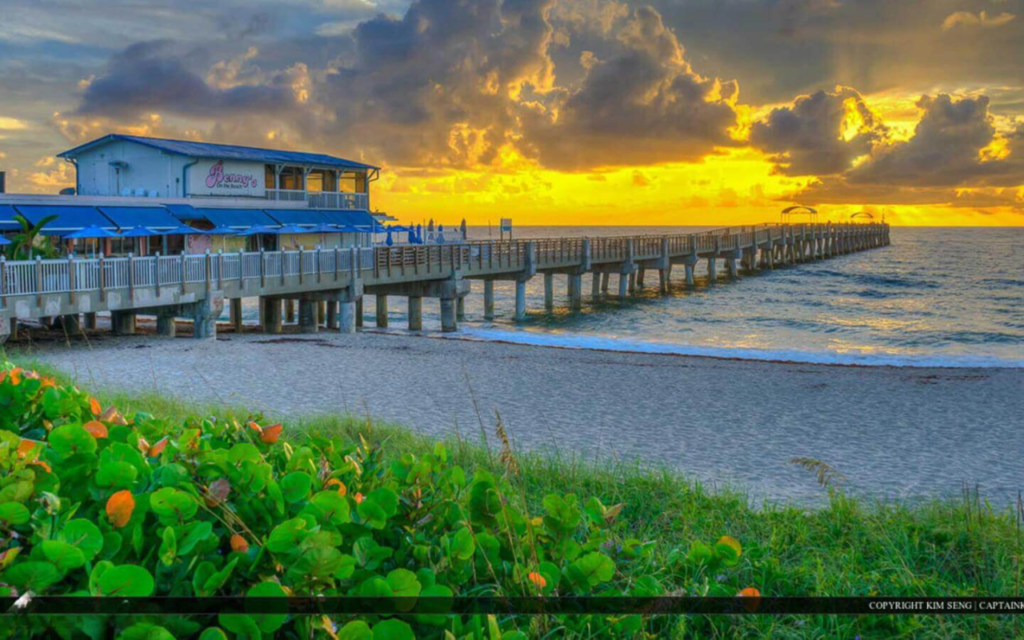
column 896, row 432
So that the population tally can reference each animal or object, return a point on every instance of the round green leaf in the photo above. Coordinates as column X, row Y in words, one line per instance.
column 13, row 514
column 463, row 546
column 296, row 486
column 403, row 583
column 392, row 629
column 173, row 506
column 355, row 630
column 127, row 580
column 69, row 439
column 62, row 554
column 213, row 633
column 268, row 623
column 334, row 506
column 32, row 576
column 83, row 534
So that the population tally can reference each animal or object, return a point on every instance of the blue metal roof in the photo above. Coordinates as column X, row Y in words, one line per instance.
column 7, row 221
column 68, row 218
column 357, row 218
column 236, row 218
column 183, row 212
column 296, row 216
column 129, row 217
column 224, row 151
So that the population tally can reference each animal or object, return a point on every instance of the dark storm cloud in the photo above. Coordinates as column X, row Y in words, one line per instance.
column 642, row 104
column 807, row 138
column 151, row 77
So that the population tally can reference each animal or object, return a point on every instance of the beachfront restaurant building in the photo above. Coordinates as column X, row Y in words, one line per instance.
column 171, row 196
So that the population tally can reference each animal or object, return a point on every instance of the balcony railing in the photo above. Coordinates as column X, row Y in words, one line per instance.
column 322, row 199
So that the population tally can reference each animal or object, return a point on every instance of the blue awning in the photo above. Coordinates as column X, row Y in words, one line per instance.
column 296, row 216
column 237, row 218
column 355, row 218
column 130, row 217
column 67, row 218
column 183, row 212
column 7, row 221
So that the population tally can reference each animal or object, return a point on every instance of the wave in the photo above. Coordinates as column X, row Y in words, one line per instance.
column 605, row 343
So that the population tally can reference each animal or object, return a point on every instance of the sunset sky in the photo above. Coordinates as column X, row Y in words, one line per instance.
column 553, row 111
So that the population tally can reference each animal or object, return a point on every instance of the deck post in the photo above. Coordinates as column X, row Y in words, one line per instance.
column 236, row 314
column 382, row 310
column 205, row 314
column 90, row 320
column 359, row 312
column 72, row 324
column 632, row 282
column 549, row 292
column 449, row 323
column 663, row 280
column 641, row 276
column 520, row 300
column 308, row 316
column 689, row 274
column 122, row 322
column 165, row 325
column 488, row 299
column 623, row 285
column 332, row 315
column 321, row 312
column 595, row 285
column 289, row 310
column 730, row 266
column 712, row 270
column 460, row 309
column 605, row 277
column 416, row 313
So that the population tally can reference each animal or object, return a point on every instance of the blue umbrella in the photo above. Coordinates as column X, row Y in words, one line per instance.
column 91, row 232
column 4, row 241
column 184, row 230
column 294, row 228
column 221, row 231
column 389, row 241
column 139, row 232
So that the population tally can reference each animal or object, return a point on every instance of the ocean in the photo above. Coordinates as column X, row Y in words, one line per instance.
column 937, row 297
column 947, row 297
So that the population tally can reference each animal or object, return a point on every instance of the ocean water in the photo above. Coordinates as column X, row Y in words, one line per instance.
column 935, row 297
column 945, row 297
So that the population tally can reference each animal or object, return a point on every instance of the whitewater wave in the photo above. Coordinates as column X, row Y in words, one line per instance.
column 606, row 343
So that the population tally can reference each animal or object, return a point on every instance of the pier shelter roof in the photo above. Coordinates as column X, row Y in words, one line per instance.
column 131, row 217
column 68, row 218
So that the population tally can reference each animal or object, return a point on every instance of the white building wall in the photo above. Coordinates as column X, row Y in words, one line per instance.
column 145, row 172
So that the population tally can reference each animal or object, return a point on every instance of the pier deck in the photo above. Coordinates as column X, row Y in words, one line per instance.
column 329, row 284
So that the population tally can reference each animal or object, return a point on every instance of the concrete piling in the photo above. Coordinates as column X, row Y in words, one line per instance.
column 332, row 314
column 448, row 321
column 382, row 311
column 605, row 277
column 416, row 313
column 236, row 314
column 272, row 320
column 712, row 271
column 549, row 292
column 623, row 285
column 520, row 300
column 308, row 316
column 460, row 309
column 359, row 312
column 122, row 322
column 347, row 317
column 166, row 327
column 595, row 286
column 289, row 311
column 575, row 292
column 488, row 299
column 90, row 320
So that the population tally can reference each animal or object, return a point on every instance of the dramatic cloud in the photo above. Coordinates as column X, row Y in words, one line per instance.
column 643, row 104
column 819, row 134
column 982, row 19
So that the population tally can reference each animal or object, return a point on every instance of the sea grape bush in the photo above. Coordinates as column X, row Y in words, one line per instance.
column 96, row 503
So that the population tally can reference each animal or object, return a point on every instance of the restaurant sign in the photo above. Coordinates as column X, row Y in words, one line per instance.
column 226, row 178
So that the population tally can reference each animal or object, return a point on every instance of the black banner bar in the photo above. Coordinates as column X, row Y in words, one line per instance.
column 70, row 605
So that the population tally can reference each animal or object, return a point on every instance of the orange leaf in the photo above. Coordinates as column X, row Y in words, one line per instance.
column 752, row 598
column 16, row 376
column 537, row 579
column 113, row 416
column 120, row 507
column 342, row 489
column 749, row 592
column 238, row 543
column 96, row 428
column 25, row 447
column 3, row 375
column 359, row 498
column 271, row 434
column 157, row 448
column 49, row 382
column 94, row 406
column 256, row 427
column 42, row 464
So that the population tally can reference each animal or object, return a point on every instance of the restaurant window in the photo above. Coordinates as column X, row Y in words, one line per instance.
column 271, row 177
column 291, row 178
column 315, row 181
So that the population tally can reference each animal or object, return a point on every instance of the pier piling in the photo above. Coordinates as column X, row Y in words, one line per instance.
column 382, row 311
column 488, row 299
column 416, row 313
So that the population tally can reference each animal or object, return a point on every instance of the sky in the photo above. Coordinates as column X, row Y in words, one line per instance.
column 608, row 112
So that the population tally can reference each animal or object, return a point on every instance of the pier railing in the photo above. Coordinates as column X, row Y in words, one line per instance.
column 39, row 277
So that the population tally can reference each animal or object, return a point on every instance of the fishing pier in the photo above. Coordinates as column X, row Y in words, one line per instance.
column 328, row 285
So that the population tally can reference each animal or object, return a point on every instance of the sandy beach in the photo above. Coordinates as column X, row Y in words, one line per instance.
column 894, row 432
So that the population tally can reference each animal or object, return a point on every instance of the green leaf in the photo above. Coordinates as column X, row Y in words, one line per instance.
column 403, row 583
column 372, row 514
column 127, row 580
column 392, row 629
column 244, row 452
column 386, row 498
column 552, row 575
column 699, row 552
column 32, row 576
column 355, row 630
column 145, row 631
column 83, row 534
column 240, row 625
column 334, row 506
column 591, row 570
column 13, row 514
column 213, row 633
column 173, row 506
column 374, row 587
column 287, row 536
column 97, row 572
column 463, row 545
column 296, row 487
column 69, row 439
column 369, row 554
column 195, row 533
column 218, row 579
column 728, row 550
column 317, row 563
column 62, row 554
column 436, row 593
column 268, row 623
column 168, row 546
column 116, row 475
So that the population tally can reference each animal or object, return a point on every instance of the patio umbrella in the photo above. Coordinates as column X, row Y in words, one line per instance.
column 390, row 241
column 259, row 230
column 4, row 241
column 185, row 230
column 92, row 232
column 136, row 232
column 223, row 232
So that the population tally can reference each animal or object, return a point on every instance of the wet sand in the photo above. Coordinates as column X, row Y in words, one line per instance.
column 894, row 432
